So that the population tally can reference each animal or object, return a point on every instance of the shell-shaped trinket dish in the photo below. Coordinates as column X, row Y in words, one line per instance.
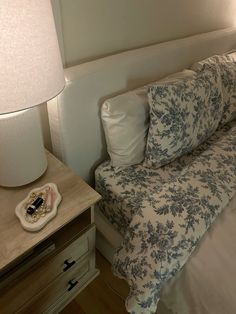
column 39, row 207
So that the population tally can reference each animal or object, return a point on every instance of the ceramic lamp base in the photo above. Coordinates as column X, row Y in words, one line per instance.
column 22, row 153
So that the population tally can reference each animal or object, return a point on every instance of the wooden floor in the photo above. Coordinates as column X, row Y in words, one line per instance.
column 105, row 295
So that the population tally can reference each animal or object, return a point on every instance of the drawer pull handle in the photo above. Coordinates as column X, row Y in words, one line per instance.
column 72, row 284
column 68, row 264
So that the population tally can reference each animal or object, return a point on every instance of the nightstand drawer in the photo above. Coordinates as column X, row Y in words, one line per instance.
column 53, row 297
column 69, row 257
column 13, row 297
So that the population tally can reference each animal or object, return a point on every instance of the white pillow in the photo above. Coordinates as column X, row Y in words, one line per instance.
column 125, row 120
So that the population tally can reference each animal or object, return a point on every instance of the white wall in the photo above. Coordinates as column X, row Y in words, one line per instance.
column 94, row 28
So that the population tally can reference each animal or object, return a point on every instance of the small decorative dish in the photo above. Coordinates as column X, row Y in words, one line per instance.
column 39, row 207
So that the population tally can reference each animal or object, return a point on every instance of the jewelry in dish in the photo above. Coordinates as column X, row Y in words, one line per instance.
column 39, row 207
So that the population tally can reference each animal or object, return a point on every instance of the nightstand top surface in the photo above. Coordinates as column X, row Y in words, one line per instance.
column 76, row 194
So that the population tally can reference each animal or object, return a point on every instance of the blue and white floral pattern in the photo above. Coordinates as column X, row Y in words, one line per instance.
column 226, row 65
column 172, row 208
column 183, row 115
column 123, row 189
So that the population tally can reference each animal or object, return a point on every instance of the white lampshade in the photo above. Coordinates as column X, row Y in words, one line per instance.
column 30, row 63
column 31, row 73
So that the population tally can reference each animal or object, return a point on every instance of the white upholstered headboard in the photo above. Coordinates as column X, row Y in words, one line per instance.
column 74, row 116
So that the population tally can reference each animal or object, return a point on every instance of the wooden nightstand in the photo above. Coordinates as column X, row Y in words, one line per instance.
column 41, row 272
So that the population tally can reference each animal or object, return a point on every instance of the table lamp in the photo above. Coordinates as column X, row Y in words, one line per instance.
column 31, row 73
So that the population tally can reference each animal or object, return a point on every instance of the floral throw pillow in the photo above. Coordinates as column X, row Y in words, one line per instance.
column 227, row 69
column 182, row 116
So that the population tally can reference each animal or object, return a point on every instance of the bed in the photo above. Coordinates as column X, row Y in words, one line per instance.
column 78, row 140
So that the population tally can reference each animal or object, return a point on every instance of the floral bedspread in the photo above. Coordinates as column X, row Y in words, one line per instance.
column 168, row 223
column 123, row 189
